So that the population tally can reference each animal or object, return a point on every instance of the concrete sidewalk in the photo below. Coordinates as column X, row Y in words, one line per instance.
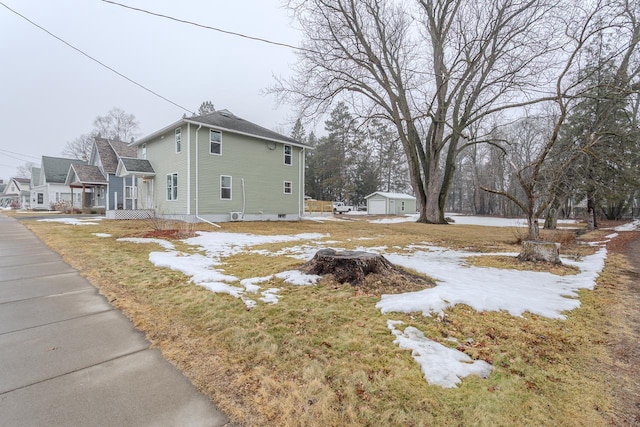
column 68, row 358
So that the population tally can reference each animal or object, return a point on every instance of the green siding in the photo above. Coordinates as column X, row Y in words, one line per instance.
column 162, row 154
column 256, row 162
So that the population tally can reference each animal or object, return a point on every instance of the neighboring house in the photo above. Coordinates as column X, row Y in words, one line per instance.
column 97, row 182
column 218, row 167
column 50, row 188
column 16, row 193
column 381, row 203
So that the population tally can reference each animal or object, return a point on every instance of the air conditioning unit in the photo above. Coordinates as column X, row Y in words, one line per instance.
column 235, row 216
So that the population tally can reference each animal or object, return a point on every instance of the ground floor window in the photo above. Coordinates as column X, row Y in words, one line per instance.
column 40, row 198
column 130, row 192
column 288, row 187
column 172, row 186
column 225, row 187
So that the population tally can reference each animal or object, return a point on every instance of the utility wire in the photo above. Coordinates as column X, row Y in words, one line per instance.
column 19, row 154
column 96, row 60
column 184, row 21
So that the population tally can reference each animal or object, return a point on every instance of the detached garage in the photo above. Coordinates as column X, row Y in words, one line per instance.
column 381, row 203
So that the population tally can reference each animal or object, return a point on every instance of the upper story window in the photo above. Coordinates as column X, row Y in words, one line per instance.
column 143, row 149
column 216, row 142
column 288, row 187
column 287, row 155
column 172, row 186
column 225, row 187
column 178, row 140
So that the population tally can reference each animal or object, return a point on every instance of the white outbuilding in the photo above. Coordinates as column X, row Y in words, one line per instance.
column 381, row 203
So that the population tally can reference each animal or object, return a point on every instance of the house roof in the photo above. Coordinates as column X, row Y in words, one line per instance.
column 391, row 195
column 129, row 166
column 109, row 151
column 35, row 176
column 22, row 180
column 55, row 169
column 85, row 175
column 226, row 121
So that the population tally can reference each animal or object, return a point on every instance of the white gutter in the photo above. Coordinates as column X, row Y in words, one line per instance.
column 198, row 184
column 265, row 138
column 157, row 133
column 301, row 184
column 244, row 199
column 188, row 168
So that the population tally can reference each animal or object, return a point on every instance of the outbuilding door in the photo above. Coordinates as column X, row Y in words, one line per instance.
column 376, row 207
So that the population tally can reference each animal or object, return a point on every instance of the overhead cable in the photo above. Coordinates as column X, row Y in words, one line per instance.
column 96, row 60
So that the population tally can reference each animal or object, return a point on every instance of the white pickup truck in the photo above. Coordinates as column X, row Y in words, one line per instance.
column 340, row 207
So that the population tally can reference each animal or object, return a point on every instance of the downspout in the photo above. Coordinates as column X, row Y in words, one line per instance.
column 301, row 184
column 188, row 168
column 198, row 183
column 244, row 199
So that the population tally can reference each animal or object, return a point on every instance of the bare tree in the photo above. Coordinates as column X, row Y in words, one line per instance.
column 117, row 124
column 80, row 147
column 433, row 70
column 24, row 171
column 535, row 177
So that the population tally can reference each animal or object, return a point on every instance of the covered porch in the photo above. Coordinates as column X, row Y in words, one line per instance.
column 139, row 205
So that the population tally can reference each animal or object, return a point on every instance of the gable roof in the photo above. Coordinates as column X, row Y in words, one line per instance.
column 84, row 174
column 391, row 195
column 35, row 176
column 128, row 166
column 110, row 151
column 55, row 169
column 224, row 120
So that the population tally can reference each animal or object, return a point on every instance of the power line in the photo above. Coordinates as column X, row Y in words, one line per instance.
column 195, row 24
column 19, row 154
column 96, row 60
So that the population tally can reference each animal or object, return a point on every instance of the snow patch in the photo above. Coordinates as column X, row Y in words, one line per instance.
column 440, row 365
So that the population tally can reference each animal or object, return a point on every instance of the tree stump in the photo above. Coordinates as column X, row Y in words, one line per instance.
column 539, row 251
column 348, row 266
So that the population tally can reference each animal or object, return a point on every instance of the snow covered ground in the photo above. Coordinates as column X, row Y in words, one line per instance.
column 472, row 220
column 74, row 221
column 484, row 289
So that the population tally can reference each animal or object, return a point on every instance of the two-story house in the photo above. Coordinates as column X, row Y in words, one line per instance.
column 219, row 167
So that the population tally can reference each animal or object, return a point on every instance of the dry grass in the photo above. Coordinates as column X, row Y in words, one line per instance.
column 323, row 356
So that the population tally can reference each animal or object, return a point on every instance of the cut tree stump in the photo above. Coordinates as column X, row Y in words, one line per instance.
column 539, row 251
column 355, row 267
column 348, row 266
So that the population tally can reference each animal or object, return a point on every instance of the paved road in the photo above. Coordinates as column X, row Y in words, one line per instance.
column 68, row 358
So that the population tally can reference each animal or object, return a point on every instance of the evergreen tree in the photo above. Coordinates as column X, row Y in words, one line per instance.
column 205, row 108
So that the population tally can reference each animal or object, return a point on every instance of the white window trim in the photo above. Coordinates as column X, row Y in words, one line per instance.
column 211, row 131
column 166, row 194
column 290, row 188
column 178, row 140
column 290, row 155
column 230, row 187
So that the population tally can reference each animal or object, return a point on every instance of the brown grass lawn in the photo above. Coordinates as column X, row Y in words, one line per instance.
column 323, row 355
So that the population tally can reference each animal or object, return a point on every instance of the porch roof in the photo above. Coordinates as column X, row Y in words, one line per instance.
column 85, row 176
column 128, row 166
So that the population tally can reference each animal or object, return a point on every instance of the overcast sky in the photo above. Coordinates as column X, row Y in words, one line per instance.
column 50, row 94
